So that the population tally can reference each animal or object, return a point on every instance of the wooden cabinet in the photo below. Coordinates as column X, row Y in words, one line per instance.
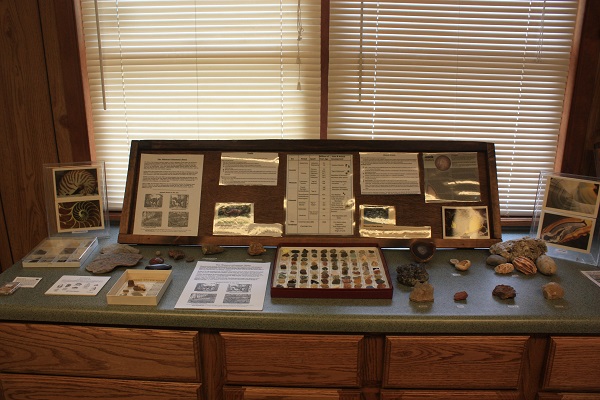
column 77, row 362
column 45, row 361
column 454, row 362
column 572, row 369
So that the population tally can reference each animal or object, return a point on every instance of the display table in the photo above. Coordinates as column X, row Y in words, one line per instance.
column 74, row 347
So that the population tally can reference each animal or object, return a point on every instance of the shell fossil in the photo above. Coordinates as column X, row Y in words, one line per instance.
column 79, row 214
column 504, row 268
column 77, row 182
column 524, row 265
column 461, row 265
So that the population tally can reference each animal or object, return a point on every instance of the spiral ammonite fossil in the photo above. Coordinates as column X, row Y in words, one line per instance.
column 79, row 214
column 77, row 182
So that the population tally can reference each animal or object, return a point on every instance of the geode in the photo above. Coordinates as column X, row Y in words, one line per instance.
column 524, row 247
column 411, row 274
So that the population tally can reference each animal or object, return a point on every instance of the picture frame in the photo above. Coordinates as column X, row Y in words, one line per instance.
column 76, row 199
column 565, row 215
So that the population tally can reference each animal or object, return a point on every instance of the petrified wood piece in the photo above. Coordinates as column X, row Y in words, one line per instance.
column 107, row 262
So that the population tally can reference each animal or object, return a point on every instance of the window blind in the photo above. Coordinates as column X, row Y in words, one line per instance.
column 176, row 69
column 489, row 70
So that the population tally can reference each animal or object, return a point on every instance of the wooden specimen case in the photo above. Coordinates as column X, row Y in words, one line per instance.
column 269, row 202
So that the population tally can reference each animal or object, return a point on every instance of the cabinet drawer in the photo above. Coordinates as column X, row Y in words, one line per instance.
column 448, row 362
column 448, row 395
column 569, row 396
column 99, row 352
column 262, row 393
column 291, row 359
column 573, row 364
column 26, row 387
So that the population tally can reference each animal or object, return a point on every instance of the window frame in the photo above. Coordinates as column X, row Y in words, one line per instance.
column 580, row 127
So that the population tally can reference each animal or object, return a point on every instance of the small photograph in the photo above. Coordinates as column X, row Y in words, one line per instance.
column 179, row 201
column 572, row 195
column 151, row 219
column 466, row 222
column 239, row 288
column 78, row 215
column 153, row 201
column 207, row 287
column 567, row 231
column 202, row 298
column 178, row 219
column 234, row 210
column 237, row 299
column 76, row 182
column 378, row 215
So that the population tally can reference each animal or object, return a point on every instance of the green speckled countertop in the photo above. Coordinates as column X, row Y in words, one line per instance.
column 528, row 313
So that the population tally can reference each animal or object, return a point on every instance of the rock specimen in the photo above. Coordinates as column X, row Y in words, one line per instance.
column 422, row 250
column 422, row 293
column 495, row 260
column 461, row 265
column 505, row 268
column 256, row 249
column 107, row 262
column 156, row 260
column 524, row 265
column 176, row 254
column 553, row 291
column 459, row 296
column 411, row 274
column 119, row 248
column 525, row 247
column 504, row 292
column 208, row 249
column 546, row 265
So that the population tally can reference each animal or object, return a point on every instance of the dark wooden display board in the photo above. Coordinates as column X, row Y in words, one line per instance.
column 411, row 210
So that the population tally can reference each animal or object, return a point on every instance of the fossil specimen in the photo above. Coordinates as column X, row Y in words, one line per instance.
column 524, row 247
column 256, row 249
column 208, row 249
column 546, row 265
column 107, row 262
column 79, row 215
column 461, row 265
column 504, row 268
column 524, row 265
column 77, row 182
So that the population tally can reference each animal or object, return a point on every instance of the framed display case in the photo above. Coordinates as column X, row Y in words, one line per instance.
column 353, row 192
column 565, row 216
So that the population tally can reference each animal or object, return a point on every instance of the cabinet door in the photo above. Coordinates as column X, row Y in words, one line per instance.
column 301, row 360
column 448, row 395
column 453, row 362
column 569, row 396
column 99, row 352
column 262, row 393
column 27, row 387
column 573, row 364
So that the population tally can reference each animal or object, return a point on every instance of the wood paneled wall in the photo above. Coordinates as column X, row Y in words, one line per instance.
column 44, row 115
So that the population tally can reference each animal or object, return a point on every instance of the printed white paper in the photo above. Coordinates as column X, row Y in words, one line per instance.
column 76, row 285
column 249, row 169
column 389, row 173
column 319, row 195
column 226, row 286
column 168, row 197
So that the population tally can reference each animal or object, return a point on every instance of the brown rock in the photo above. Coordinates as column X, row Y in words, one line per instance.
column 176, row 254
column 208, row 249
column 256, row 249
column 504, row 292
column 422, row 293
column 459, row 296
column 553, row 291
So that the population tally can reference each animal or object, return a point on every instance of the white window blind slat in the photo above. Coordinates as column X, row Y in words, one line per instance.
column 490, row 70
column 190, row 69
